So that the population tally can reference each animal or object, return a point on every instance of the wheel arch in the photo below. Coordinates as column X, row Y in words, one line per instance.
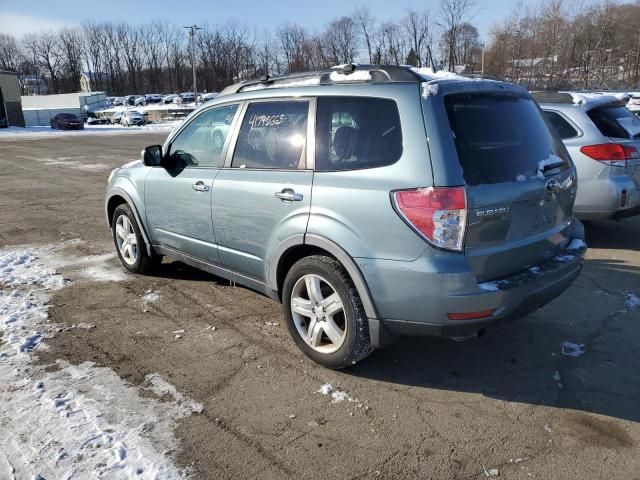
column 299, row 247
column 117, row 197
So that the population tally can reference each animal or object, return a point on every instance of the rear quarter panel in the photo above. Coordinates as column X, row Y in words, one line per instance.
column 354, row 209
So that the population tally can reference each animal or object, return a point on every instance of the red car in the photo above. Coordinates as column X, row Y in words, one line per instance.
column 67, row 121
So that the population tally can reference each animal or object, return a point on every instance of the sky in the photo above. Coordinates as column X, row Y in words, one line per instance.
column 22, row 16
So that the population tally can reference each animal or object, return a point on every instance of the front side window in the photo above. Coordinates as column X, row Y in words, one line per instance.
column 357, row 132
column 273, row 135
column 201, row 142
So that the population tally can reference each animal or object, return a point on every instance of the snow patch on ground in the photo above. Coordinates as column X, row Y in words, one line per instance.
column 570, row 349
column 68, row 162
column 94, row 268
column 47, row 132
column 79, row 421
column 633, row 301
column 337, row 396
column 150, row 296
column 162, row 389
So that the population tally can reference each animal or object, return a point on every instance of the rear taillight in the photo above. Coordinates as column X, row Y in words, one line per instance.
column 611, row 153
column 438, row 213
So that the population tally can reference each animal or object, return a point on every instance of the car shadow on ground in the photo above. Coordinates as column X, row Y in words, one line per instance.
column 624, row 234
column 522, row 361
column 173, row 269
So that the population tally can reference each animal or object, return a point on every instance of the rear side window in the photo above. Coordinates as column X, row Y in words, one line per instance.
column 357, row 132
column 273, row 135
column 615, row 122
column 564, row 128
column 500, row 137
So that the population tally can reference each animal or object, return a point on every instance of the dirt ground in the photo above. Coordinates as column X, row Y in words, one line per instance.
column 423, row 408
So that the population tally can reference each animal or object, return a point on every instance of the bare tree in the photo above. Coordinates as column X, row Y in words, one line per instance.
column 419, row 32
column 453, row 13
column 70, row 44
column 10, row 54
column 45, row 51
column 341, row 40
column 293, row 41
column 367, row 24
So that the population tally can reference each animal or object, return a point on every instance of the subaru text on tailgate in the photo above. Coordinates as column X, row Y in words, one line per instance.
column 372, row 201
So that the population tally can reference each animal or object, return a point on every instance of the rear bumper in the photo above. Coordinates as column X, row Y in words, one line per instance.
column 602, row 199
column 508, row 298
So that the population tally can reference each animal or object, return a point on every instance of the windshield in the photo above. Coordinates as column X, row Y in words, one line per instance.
column 502, row 138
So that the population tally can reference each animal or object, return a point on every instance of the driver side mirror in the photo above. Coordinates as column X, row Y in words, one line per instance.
column 152, row 156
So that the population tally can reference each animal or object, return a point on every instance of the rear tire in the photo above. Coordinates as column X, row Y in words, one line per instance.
column 129, row 243
column 324, row 313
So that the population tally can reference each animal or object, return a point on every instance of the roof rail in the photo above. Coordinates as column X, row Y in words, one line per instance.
column 347, row 73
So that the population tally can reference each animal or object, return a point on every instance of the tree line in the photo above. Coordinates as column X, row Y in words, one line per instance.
column 568, row 44
column 123, row 58
column 555, row 44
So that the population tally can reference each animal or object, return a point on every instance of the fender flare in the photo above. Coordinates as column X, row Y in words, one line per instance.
column 121, row 193
column 339, row 253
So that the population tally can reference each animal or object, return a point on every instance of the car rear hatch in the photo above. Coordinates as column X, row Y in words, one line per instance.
column 520, row 182
column 621, row 127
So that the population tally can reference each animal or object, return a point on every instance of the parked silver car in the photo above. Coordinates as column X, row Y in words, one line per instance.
column 603, row 139
column 132, row 117
column 371, row 201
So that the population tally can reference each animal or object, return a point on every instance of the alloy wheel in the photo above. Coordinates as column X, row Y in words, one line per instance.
column 126, row 240
column 318, row 313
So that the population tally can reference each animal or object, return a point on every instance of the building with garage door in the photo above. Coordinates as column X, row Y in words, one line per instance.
column 10, row 104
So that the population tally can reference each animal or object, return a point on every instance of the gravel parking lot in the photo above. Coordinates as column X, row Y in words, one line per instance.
column 512, row 403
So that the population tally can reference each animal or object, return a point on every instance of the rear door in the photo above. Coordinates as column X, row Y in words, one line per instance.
column 263, row 195
column 520, row 181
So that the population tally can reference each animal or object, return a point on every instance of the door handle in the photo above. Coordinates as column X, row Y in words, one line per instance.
column 199, row 186
column 288, row 195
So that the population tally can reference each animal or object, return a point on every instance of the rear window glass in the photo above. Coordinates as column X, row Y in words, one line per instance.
column 615, row 122
column 357, row 132
column 501, row 137
column 564, row 128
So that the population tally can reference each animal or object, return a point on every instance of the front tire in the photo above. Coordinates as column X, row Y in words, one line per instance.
column 324, row 313
column 129, row 242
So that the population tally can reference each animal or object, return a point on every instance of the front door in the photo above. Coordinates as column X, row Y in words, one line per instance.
column 178, row 197
column 264, row 196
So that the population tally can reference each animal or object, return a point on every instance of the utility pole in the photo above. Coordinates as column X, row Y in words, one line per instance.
column 192, row 33
column 482, row 59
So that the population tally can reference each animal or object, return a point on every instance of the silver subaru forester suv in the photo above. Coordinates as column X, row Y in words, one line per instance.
column 371, row 201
